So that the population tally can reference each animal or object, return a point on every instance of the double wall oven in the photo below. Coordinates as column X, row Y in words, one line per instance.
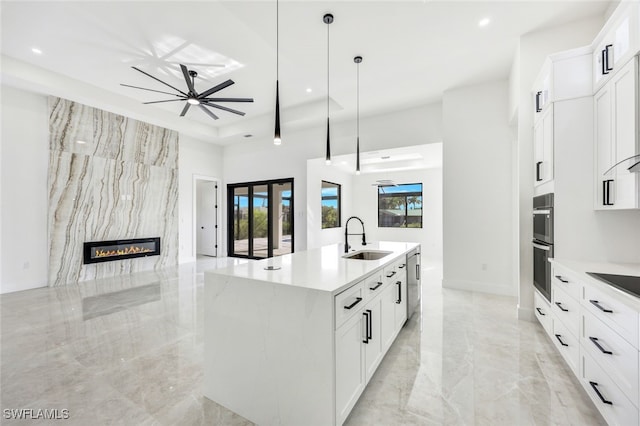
column 542, row 243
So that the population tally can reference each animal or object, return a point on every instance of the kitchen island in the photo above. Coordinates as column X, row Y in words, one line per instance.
column 294, row 339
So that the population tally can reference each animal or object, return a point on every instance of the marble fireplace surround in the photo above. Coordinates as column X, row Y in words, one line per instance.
column 110, row 178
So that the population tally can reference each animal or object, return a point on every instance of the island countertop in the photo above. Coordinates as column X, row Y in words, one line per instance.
column 322, row 269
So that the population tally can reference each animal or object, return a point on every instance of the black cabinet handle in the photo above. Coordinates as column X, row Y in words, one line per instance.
column 604, row 192
column 605, row 59
column 370, row 325
column 418, row 272
column 366, row 326
column 603, row 350
column 391, row 274
column 377, row 286
column 594, row 385
column 558, row 336
column 540, row 312
column 608, row 184
column 538, row 106
column 399, row 284
column 538, row 177
column 597, row 305
column 559, row 277
column 559, row 305
column 358, row 300
column 402, row 266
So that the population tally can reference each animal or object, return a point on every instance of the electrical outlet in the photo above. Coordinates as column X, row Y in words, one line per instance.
column 26, row 265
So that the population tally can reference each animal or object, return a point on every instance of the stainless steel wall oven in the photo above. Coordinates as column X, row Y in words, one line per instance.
column 542, row 243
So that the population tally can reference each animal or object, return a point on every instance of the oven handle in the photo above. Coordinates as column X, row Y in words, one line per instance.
column 542, row 212
column 541, row 247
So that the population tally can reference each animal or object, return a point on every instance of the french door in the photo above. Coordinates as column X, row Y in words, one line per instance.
column 260, row 218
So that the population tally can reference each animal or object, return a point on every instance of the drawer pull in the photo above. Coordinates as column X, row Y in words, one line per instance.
column 594, row 385
column 559, row 277
column 377, row 286
column 391, row 274
column 560, row 340
column 402, row 266
column 540, row 312
column 559, row 305
column 358, row 300
column 597, row 305
column 367, row 334
column 603, row 350
column 399, row 284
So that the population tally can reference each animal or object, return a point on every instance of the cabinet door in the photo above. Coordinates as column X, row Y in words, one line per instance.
column 543, row 147
column 373, row 349
column 388, row 307
column 538, row 152
column 350, row 374
column 400, row 314
column 625, row 132
column 603, row 146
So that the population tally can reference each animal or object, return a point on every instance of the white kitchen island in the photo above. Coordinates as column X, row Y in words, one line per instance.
column 297, row 345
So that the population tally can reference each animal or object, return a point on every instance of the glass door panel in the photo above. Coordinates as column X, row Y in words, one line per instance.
column 240, row 215
column 260, row 221
column 283, row 221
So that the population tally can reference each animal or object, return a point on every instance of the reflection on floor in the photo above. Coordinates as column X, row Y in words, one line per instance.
column 128, row 350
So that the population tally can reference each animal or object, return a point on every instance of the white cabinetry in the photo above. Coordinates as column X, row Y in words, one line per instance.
column 618, row 41
column 564, row 76
column 616, row 132
column 350, row 374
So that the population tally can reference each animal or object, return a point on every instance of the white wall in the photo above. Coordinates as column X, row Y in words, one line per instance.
column 533, row 49
column 365, row 204
column 196, row 159
column 477, row 189
column 317, row 171
column 259, row 159
column 23, row 190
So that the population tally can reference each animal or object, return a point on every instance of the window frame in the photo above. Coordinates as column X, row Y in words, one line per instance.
column 339, row 206
column 406, row 195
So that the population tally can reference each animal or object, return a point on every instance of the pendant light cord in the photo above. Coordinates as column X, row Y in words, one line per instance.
column 277, row 40
column 358, row 100
column 328, row 47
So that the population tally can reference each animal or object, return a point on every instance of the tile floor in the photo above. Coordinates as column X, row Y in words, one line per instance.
column 128, row 351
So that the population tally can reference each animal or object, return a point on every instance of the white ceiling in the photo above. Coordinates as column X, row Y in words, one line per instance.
column 413, row 51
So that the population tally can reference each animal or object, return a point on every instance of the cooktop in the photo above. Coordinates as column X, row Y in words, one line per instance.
column 627, row 283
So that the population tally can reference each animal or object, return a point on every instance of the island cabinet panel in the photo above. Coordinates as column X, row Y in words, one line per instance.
column 350, row 372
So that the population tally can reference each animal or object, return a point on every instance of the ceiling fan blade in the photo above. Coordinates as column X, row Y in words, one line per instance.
column 157, row 79
column 151, row 90
column 201, row 65
column 225, row 108
column 227, row 99
column 215, row 89
column 187, row 78
column 209, row 113
column 157, row 102
column 185, row 109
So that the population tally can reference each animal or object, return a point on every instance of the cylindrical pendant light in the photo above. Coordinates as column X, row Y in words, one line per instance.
column 328, row 19
column 357, row 60
column 276, row 136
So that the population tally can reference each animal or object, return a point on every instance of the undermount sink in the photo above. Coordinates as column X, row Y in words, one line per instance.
column 367, row 255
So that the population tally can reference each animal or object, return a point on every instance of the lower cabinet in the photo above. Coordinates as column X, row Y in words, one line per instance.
column 363, row 340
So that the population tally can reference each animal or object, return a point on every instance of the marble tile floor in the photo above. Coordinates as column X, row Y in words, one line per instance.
column 128, row 351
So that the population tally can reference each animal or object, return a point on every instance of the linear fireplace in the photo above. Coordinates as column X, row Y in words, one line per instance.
column 106, row 251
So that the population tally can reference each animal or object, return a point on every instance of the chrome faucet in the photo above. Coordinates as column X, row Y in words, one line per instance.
column 346, row 234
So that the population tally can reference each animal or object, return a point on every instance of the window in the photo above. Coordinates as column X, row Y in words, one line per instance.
column 330, row 205
column 400, row 206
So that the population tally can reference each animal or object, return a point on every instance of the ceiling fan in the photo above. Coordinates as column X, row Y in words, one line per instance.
column 191, row 96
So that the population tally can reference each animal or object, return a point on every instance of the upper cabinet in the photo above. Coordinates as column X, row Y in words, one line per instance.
column 616, row 117
column 618, row 41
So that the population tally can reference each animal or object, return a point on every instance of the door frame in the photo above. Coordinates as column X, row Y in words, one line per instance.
column 194, row 208
column 230, row 213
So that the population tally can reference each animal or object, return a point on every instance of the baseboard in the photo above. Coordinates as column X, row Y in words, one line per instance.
column 15, row 287
column 502, row 290
column 526, row 314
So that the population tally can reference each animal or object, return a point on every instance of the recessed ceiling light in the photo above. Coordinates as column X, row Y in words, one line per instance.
column 36, row 51
column 309, row 90
column 386, row 157
column 484, row 22
column 81, row 142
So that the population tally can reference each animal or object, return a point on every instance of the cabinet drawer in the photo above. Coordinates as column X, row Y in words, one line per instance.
column 614, row 354
column 543, row 312
column 565, row 280
column 568, row 345
column 619, row 317
column 566, row 309
column 614, row 406
column 348, row 303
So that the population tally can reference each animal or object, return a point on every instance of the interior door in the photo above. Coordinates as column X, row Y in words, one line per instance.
column 206, row 218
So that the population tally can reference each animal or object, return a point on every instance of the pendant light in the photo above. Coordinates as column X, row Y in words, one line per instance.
column 357, row 60
column 328, row 19
column 276, row 136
